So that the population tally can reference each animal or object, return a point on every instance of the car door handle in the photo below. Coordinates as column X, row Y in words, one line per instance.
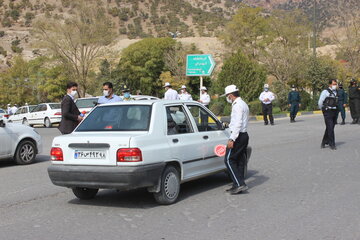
column 205, row 137
column 175, row 140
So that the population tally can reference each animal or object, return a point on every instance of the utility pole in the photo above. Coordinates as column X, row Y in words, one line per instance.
column 314, row 30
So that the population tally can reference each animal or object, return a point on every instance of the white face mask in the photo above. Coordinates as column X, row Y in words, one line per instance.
column 73, row 93
column 266, row 89
column 228, row 100
column 293, row 89
column 182, row 91
column 334, row 87
column 106, row 93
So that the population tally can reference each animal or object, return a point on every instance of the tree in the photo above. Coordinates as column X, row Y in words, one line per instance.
column 142, row 63
column 79, row 40
column 245, row 73
column 248, row 30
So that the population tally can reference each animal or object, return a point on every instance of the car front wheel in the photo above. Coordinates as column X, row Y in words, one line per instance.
column 85, row 193
column 47, row 123
column 170, row 186
column 25, row 153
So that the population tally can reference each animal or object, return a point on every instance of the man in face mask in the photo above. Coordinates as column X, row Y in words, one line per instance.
column 294, row 103
column 235, row 158
column 328, row 103
column 354, row 101
column 108, row 94
column 70, row 114
column 127, row 95
column 266, row 98
column 184, row 95
column 342, row 101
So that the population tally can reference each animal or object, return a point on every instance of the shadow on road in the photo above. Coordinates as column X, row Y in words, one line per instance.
column 11, row 163
column 140, row 198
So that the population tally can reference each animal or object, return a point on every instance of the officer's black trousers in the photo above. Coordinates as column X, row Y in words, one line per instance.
column 235, row 159
column 267, row 110
column 341, row 109
column 294, row 110
column 330, row 119
column 354, row 105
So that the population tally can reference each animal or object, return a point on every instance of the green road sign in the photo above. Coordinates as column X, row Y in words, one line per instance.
column 199, row 65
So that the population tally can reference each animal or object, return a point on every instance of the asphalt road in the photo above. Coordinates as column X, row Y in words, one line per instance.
column 296, row 191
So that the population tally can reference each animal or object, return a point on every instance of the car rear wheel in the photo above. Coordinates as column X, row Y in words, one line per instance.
column 85, row 193
column 25, row 122
column 47, row 123
column 25, row 152
column 170, row 186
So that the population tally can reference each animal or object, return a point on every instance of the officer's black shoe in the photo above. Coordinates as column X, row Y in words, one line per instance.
column 230, row 189
column 333, row 147
column 322, row 145
column 272, row 124
column 354, row 121
column 265, row 123
column 239, row 189
column 342, row 123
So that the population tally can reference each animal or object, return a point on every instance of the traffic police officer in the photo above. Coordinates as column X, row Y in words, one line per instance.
column 266, row 98
column 354, row 101
column 170, row 93
column 328, row 104
column 294, row 100
column 342, row 101
column 235, row 158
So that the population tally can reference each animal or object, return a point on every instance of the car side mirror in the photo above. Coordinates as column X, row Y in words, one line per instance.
column 2, row 123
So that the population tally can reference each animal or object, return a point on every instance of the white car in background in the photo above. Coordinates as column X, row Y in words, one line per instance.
column 139, row 144
column 22, row 115
column 19, row 142
column 3, row 113
column 86, row 104
column 45, row 114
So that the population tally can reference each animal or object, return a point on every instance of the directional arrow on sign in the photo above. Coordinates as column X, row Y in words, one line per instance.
column 199, row 65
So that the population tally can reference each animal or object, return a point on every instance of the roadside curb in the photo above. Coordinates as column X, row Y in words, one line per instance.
column 276, row 116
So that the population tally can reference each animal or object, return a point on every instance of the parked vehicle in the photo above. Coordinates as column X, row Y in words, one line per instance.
column 22, row 115
column 45, row 114
column 3, row 113
column 19, row 142
column 153, row 144
column 86, row 104
column 144, row 97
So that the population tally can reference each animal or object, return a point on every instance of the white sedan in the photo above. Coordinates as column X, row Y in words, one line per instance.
column 22, row 115
column 45, row 114
column 153, row 144
column 19, row 142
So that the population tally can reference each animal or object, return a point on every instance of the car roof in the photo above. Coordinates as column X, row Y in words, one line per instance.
column 148, row 102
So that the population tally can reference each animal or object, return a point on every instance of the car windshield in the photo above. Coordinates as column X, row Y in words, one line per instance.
column 2, row 111
column 55, row 105
column 86, row 103
column 117, row 118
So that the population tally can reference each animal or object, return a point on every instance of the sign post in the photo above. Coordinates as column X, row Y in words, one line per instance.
column 199, row 65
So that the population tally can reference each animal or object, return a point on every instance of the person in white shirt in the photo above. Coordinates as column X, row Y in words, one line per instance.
column 14, row 109
column 170, row 93
column 184, row 94
column 204, row 97
column 266, row 98
column 236, row 157
column 9, row 109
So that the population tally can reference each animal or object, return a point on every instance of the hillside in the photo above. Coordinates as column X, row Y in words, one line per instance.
column 136, row 19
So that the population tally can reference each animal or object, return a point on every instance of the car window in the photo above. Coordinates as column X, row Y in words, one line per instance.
column 24, row 110
column 86, row 103
column 18, row 111
column 54, row 106
column 177, row 121
column 117, row 118
column 37, row 108
column 31, row 108
column 2, row 111
column 43, row 107
column 204, row 121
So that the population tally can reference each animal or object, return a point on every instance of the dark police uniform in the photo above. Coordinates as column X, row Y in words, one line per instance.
column 342, row 99
column 294, row 100
column 354, row 103
column 328, row 105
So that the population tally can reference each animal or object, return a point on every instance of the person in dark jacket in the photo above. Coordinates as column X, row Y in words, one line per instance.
column 70, row 114
column 354, row 101
column 342, row 101
column 294, row 101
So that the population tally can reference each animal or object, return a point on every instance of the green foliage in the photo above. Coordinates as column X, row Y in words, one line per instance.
column 2, row 33
column 142, row 63
column 15, row 14
column 15, row 46
column 3, row 51
column 255, row 107
column 6, row 22
column 281, row 91
column 245, row 73
column 220, row 107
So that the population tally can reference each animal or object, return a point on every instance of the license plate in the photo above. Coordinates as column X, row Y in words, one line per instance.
column 89, row 154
